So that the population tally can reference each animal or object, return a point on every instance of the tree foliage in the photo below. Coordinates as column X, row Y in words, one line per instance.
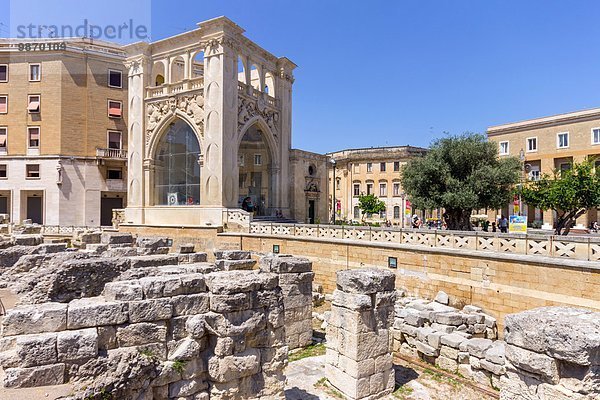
column 570, row 193
column 370, row 204
column 461, row 173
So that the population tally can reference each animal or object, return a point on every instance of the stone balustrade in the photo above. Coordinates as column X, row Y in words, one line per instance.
column 572, row 247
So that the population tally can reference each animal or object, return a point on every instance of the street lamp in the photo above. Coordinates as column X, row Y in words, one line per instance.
column 522, row 159
column 332, row 161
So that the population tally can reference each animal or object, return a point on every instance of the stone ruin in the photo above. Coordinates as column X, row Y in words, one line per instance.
column 552, row 353
column 123, row 315
column 359, row 341
column 463, row 341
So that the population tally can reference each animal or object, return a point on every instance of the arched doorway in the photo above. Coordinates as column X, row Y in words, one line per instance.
column 176, row 166
column 256, row 177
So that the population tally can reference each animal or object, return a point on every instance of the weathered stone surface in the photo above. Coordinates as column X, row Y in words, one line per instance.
column 453, row 340
column 47, row 317
column 161, row 286
column 141, row 333
column 34, row 376
column 28, row 240
column 153, row 261
column 477, row 346
column 235, row 265
column 352, row 301
column 282, row 264
column 152, row 243
column 233, row 282
column 188, row 387
column 117, row 238
column 186, row 349
column 442, row 298
column 229, row 368
column 495, row 354
column 232, row 255
column 568, row 334
column 28, row 350
column 190, row 304
column 224, row 303
column 77, row 345
column 95, row 311
column 426, row 349
column 150, row 310
column 123, row 290
column 365, row 281
column 540, row 364
column 449, row 318
column 492, row 367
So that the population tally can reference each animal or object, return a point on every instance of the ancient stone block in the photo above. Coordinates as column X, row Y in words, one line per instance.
column 35, row 376
column 477, row 346
column 123, row 291
column 141, row 333
column 153, row 261
column 365, row 281
column 190, row 304
column 77, row 345
column 95, row 311
column 235, row 265
column 230, row 302
column 150, row 310
column 28, row 350
column 229, row 368
column 47, row 317
column 540, row 364
column 161, row 286
column 232, row 255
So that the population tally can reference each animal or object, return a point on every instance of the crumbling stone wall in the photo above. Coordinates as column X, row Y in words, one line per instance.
column 182, row 336
column 462, row 341
column 359, row 341
column 231, row 260
column 552, row 353
column 295, row 279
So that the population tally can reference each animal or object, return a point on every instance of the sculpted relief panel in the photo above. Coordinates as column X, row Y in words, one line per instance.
column 250, row 108
column 191, row 105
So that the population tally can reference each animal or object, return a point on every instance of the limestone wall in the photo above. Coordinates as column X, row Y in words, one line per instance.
column 499, row 283
column 295, row 280
column 460, row 341
column 218, row 336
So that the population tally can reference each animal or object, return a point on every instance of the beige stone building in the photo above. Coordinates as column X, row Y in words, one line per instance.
column 547, row 144
column 63, row 141
column 375, row 170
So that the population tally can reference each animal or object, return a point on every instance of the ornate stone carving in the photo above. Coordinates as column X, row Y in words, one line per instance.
column 191, row 105
column 135, row 66
column 250, row 108
column 284, row 75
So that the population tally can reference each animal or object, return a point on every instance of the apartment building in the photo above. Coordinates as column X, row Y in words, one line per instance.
column 63, row 131
column 375, row 170
column 547, row 144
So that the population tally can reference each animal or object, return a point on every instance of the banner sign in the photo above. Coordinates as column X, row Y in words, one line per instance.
column 517, row 224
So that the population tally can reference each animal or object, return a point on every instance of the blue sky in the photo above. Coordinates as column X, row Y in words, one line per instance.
column 403, row 72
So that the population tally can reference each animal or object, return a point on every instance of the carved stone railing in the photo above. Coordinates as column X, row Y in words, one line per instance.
column 574, row 247
column 65, row 229
column 119, row 154
column 174, row 88
column 255, row 94
column 236, row 218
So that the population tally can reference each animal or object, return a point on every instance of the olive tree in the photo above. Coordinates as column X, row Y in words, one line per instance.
column 460, row 174
column 570, row 193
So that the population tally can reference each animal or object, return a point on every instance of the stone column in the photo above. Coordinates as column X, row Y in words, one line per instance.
column 359, row 341
column 283, row 93
column 295, row 279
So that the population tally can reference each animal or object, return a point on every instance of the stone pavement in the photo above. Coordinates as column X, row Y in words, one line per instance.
column 301, row 378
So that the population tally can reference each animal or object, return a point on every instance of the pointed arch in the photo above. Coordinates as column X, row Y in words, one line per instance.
column 268, row 134
column 161, row 129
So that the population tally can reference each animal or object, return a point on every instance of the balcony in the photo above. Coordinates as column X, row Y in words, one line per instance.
column 111, row 154
column 168, row 89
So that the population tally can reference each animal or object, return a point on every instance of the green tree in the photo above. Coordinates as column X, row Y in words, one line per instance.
column 460, row 174
column 570, row 193
column 370, row 204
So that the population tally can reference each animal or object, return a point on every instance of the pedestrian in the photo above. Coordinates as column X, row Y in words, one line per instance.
column 493, row 226
column 486, row 225
column 503, row 224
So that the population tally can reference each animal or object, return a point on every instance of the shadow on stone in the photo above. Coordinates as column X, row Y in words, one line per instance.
column 404, row 374
column 296, row 393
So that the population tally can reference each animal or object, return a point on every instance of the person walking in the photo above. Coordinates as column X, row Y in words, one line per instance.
column 503, row 224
